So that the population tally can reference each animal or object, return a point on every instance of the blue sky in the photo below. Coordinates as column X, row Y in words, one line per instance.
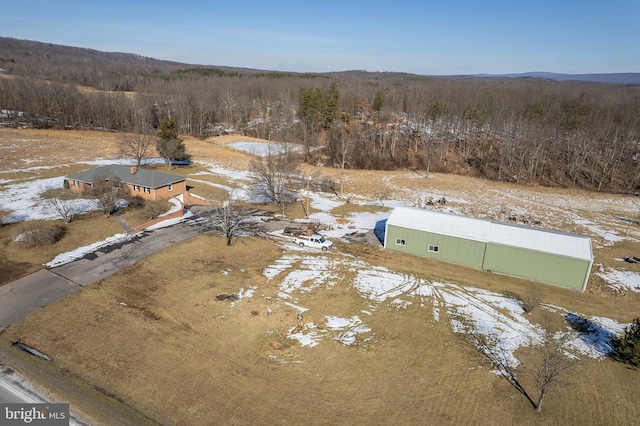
column 423, row 37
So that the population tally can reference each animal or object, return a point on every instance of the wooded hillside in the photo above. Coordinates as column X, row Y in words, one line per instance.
column 522, row 130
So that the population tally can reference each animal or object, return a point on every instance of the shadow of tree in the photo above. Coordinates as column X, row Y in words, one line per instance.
column 19, row 217
column 591, row 333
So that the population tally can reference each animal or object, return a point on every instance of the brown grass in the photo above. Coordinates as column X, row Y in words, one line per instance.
column 29, row 148
column 160, row 340
column 155, row 336
column 347, row 209
column 17, row 261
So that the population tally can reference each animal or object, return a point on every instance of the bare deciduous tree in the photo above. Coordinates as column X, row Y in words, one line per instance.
column 136, row 145
column 345, row 147
column 67, row 209
column 108, row 193
column 274, row 173
column 543, row 365
column 529, row 299
column 228, row 218
column 548, row 363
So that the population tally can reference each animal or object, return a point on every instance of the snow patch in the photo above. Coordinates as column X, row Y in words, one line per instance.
column 80, row 252
column 467, row 308
column 620, row 280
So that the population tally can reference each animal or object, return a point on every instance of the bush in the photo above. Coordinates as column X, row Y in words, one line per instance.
column 528, row 300
column 136, row 202
column 5, row 214
column 153, row 209
column 38, row 234
column 626, row 348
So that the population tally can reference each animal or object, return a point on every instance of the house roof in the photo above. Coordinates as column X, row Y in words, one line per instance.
column 491, row 231
column 141, row 177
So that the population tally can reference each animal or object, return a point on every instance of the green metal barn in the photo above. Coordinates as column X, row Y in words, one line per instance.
column 538, row 254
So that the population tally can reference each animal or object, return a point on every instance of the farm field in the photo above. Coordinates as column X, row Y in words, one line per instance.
column 358, row 335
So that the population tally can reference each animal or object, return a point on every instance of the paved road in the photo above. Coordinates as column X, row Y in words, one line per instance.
column 12, row 389
column 116, row 257
column 26, row 295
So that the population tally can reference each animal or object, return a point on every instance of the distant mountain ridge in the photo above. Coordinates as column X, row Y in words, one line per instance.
column 21, row 56
column 617, row 78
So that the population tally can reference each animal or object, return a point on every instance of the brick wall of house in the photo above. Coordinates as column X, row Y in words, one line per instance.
column 161, row 193
column 78, row 186
column 176, row 189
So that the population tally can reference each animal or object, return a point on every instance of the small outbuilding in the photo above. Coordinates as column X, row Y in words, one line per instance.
column 543, row 255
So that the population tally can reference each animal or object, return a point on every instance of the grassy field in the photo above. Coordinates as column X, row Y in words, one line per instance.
column 17, row 261
column 158, row 338
column 155, row 337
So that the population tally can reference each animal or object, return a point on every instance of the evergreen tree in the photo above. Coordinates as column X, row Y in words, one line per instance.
column 168, row 129
column 311, row 105
column 627, row 347
column 378, row 101
column 331, row 104
column 169, row 146
column 318, row 106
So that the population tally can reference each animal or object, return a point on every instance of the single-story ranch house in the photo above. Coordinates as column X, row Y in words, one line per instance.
column 538, row 254
column 148, row 184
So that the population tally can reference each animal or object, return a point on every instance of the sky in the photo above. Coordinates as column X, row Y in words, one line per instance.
column 422, row 36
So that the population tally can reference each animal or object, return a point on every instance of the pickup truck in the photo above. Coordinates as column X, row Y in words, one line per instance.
column 314, row 241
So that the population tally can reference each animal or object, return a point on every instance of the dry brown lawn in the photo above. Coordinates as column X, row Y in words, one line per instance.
column 22, row 148
column 158, row 339
column 155, row 337
column 17, row 261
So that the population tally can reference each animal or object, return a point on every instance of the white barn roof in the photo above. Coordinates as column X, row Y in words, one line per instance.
column 491, row 231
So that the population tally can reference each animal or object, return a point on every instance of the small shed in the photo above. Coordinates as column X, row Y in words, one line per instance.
column 543, row 255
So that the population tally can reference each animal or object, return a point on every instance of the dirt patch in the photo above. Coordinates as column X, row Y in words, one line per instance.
column 227, row 297
column 11, row 271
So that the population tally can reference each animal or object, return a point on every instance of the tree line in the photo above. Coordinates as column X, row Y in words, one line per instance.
column 521, row 130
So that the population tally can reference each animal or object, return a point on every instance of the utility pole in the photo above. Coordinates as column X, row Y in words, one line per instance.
column 308, row 183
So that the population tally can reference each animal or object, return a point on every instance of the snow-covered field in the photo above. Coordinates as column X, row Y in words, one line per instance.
column 487, row 312
column 262, row 149
column 299, row 271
